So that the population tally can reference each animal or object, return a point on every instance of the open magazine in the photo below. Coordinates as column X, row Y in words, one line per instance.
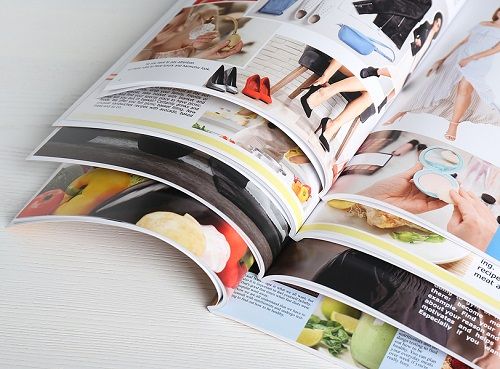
column 339, row 196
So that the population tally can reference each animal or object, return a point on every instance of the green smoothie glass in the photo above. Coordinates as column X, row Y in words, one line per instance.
column 371, row 340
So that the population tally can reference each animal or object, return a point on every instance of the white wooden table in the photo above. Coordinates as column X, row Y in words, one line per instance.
column 85, row 296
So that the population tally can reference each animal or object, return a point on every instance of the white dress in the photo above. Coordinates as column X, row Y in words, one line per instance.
column 438, row 95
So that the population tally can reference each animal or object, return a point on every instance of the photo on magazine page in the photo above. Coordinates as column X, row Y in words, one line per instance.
column 406, row 27
column 436, row 314
column 389, row 34
column 430, row 183
column 456, row 100
column 255, row 147
column 407, row 245
column 96, row 194
column 331, row 329
column 215, row 183
column 311, row 78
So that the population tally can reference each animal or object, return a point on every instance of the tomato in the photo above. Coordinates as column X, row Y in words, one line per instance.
column 240, row 259
column 44, row 204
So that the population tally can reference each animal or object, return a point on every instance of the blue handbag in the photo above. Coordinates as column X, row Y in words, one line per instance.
column 276, row 7
column 364, row 45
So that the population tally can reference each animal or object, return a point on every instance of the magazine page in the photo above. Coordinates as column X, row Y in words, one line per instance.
column 236, row 136
column 432, row 162
column 408, row 245
column 336, row 330
column 393, row 294
column 442, row 137
column 205, row 178
column 82, row 193
column 304, row 65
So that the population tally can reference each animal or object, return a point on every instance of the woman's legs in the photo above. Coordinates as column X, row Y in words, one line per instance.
column 333, row 67
column 350, row 112
column 395, row 117
column 350, row 84
column 374, row 72
column 384, row 72
column 462, row 103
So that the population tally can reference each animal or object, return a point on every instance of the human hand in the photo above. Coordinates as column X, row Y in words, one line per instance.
column 435, row 67
column 400, row 191
column 216, row 52
column 321, row 81
column 471, row 220
column 487, row 361
column 463, row 63
column 204, row 41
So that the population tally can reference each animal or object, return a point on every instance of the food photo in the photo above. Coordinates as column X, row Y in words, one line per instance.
column 266, row 142
column 108, row 194
column 398, row 232
column 432, row 182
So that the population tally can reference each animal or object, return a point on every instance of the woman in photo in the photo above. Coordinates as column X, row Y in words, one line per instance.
column 322, row 90
column 464, row 93
column 423, row 36
column 195, row 32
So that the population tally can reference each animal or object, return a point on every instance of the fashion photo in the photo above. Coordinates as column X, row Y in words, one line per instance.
column 395, row 18
column 423, row 37
column 369, row 30
column 323, row 101
column 466, row 76
column 210, row 31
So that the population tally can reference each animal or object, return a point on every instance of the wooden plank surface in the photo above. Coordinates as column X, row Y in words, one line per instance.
column 77, row 295
column 89, row 296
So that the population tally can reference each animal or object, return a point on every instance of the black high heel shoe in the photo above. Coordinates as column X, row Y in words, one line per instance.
column 216, row 82
column 303, row 99
column 322, row 139
column 230, row 79
column 369, row 72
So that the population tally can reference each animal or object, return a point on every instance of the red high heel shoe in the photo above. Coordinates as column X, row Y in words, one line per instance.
column 252, row 87
column 265, row 90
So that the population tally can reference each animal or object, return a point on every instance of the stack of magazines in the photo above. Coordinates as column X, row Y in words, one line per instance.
column 339, row 197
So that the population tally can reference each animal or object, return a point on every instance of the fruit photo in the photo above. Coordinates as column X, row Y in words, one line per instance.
column 266, row 142
column 348, row 334
column 99, row 193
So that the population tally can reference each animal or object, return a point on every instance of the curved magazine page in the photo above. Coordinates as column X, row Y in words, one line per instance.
column 83, row 193
column 454, row 105
column 237, row 136
column 386, row 291
column 332, row 329
column 263, row 61
column 430, row 183
column 410, row 246
column 215, row 184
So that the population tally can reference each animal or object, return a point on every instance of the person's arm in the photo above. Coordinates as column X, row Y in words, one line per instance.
column 455, row 48
column 483, row 54
column 216, row 52
column 488, row 360
column 435, row 67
